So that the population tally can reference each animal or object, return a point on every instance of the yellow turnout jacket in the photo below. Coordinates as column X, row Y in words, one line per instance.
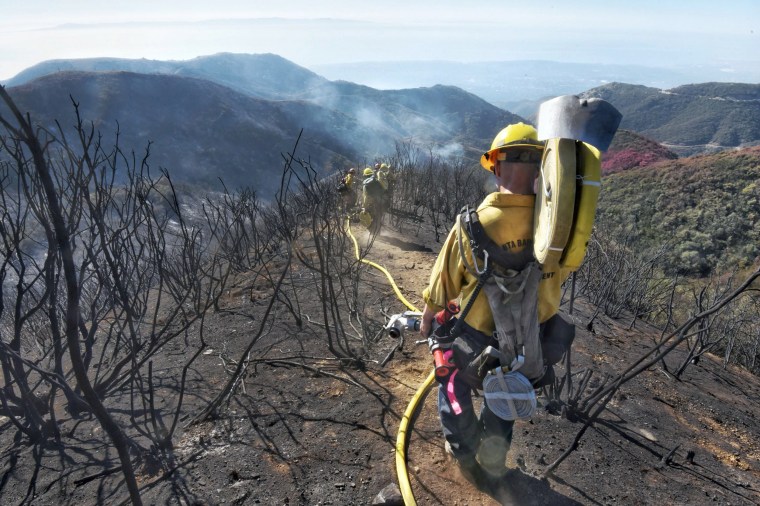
column 508, row 221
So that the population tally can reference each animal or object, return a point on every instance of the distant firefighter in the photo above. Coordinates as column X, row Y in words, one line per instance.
column 347, row 189
column 373, row 201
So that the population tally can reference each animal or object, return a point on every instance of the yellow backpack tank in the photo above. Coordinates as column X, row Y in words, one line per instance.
column 576, row 130
column 566, row 198
column 588, row 186
column 555, row 200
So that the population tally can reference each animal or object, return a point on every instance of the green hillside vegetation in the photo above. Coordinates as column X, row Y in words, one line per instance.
column 698, row 116
column 705, row 209
column 729, row 91
column 626, row 139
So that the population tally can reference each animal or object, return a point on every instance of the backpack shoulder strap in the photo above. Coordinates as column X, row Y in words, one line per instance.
column 483, row 246
column 461, row 223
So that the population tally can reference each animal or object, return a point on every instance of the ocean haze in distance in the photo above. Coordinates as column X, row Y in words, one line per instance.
column 689, row 34
column 518, row 86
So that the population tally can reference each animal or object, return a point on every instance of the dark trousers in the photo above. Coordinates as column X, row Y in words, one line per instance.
column 488, row 437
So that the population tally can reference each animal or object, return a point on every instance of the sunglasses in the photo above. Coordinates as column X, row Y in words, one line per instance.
column 519, row 156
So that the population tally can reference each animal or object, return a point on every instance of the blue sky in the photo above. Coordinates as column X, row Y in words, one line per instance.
column 657, row 33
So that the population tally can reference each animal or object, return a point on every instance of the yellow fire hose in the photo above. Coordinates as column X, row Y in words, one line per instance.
column 402, row 440
column 381, row 269
column 407, row 420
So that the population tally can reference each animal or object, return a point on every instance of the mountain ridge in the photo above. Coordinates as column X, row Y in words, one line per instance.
column 690, row 118
column 629, row 149
column 235, row 71
column 505, row 83
column 204, row 130
column 688, row 122
column 352, row 124
column 174, row 122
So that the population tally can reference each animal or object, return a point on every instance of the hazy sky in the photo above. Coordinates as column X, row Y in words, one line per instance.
column 308, row 32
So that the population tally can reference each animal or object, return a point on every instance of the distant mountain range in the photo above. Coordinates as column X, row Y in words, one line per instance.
column 232, row 116
column 689, row 119
column 259, row 75
column 519, row 86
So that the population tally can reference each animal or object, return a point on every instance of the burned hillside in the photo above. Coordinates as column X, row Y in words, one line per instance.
column 238, row 354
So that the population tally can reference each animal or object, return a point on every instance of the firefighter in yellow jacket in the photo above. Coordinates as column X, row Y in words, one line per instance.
column 347, row 189
column 373, row 201
column 480, row 443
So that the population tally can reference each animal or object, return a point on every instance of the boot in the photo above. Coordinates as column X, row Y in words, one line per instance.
column 468, row 465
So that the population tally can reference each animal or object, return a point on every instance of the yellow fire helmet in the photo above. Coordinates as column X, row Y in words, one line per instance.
column 517, row 135
column 368, row 172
